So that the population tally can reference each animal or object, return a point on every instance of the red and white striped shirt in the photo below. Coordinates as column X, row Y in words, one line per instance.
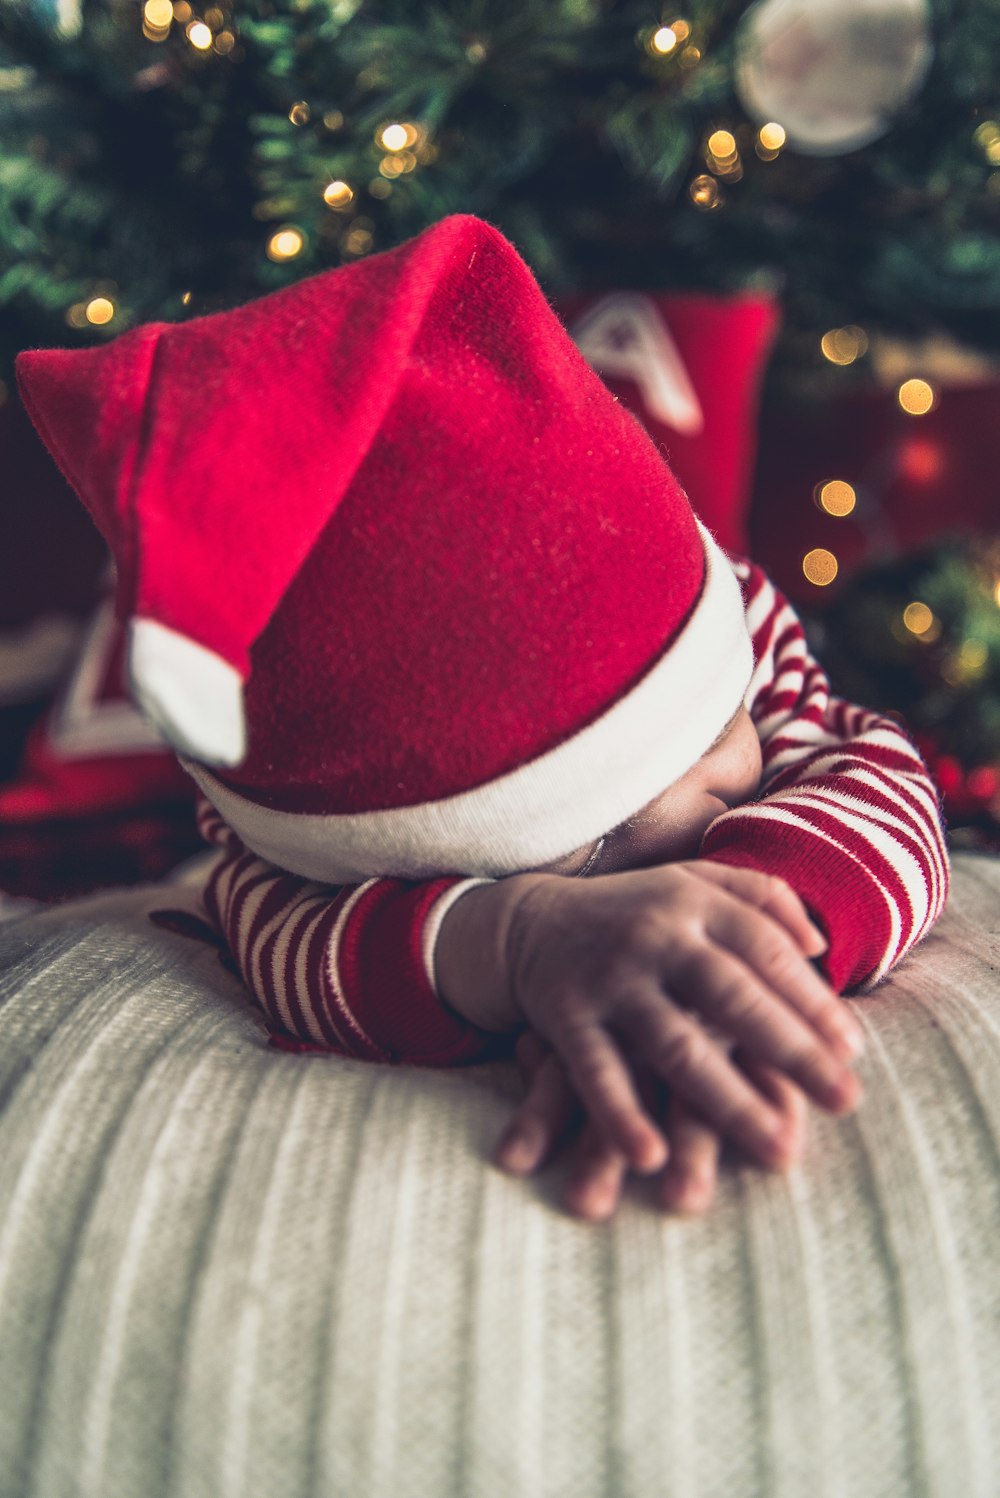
column 846, row 814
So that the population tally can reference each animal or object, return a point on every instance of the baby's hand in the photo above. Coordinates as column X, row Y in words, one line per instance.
column 623, row 973
column 550, row 1116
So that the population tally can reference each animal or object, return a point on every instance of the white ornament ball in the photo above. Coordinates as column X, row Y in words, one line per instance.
column 833, row 73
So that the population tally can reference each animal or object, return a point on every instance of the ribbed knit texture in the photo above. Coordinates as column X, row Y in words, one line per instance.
column 231, row 1273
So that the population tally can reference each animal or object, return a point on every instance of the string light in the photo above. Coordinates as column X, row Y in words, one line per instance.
column 819, row 567
column 199, row 35
column 722, row 156
column 299, row 112
column 690, row 57
column 182, row 12
column 770, row 139
column 395, row 137
column 333, row 120
column 915, row 397
column 214, row 18
column 224, row 43
column 705, row 193
column 987, row 137
column 844, row 345
column 360, row 238
column 186, row 298
column 681, row 29
column 837, row 497
column 918, row 618
column 157, row 17
column 338, row 195
column 99, row 310
column 662, row 42
column 285, row 244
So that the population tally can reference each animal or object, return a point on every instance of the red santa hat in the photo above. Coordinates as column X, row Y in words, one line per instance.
column 398, row 567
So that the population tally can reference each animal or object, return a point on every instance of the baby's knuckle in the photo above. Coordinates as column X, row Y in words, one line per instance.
column 680, row 1054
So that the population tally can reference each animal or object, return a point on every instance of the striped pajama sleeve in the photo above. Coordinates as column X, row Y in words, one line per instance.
column 847, row 814
column 348, row 970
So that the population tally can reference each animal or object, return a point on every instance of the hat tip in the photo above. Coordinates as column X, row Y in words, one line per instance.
column 192, row 695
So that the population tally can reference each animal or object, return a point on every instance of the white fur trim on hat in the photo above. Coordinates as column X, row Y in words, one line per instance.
column 192, row 695
column 558, row 802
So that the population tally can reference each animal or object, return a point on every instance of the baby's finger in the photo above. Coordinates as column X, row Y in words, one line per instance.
column 768, row 893
column 766, row 950
column 595, row 1185
column 540, row 1121
column 667, row 1041
column 689, row 1181
column 608, row 1093
column 727, row 993
column 529, row 1053
column 786, row 1097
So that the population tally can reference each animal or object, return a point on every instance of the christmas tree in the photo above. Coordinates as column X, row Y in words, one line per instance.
column 165, row 159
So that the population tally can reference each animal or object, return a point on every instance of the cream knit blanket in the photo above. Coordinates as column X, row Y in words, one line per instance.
column 231, row 1273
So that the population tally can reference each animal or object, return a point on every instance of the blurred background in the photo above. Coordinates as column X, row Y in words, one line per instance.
column 773, row 229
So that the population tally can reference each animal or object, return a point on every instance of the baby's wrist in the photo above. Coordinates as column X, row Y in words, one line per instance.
column 472, row 953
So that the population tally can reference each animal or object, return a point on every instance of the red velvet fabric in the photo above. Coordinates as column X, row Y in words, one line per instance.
column 398, row 496
column 715, row 348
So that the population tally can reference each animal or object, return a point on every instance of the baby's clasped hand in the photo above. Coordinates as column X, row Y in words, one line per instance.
column 696, row 974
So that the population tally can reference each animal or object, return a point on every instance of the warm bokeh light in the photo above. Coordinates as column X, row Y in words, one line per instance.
column 182, row 12
column 338, row 194
column 844, row 345
column 996, row 593
column 819, row 567
column 916, row 397
column 333, row 119
column 663, row 40
column 299, row 112
column 690, row 57
column 199, row 35
column 395, row 137
column 722, row 145
column 836, row 497
column 772, row 136
column 224, row 42
column 158, row 14
column 922, row 460
column 285, row 244
column 681, row 29
column 379, row 188
column 359, row 240
column 704, row 192
column 99, row 310
column 918, row 618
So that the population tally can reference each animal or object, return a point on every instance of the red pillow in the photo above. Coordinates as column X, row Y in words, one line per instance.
column 689, row 367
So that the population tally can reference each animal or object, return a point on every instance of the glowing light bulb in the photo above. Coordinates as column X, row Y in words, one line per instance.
column 844, row 345
column 722, row 145
column 338, row 194
column 704, row 192
column 285, row 244
column 819, row 567
column 199, row 35
column 918, row 618
column 915, row 397
column 158, row 14
column 663, row 41
column 393, row 138
column 99, row 310
column 836, row 497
